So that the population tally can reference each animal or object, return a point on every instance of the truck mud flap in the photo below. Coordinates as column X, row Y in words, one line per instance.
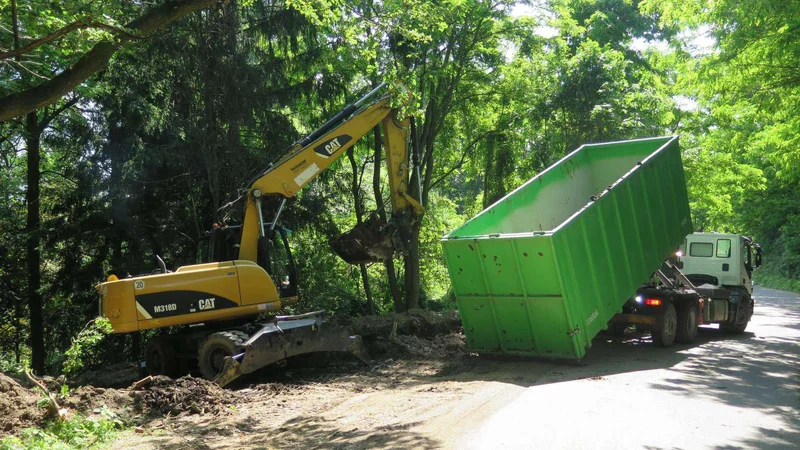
column 288, row 336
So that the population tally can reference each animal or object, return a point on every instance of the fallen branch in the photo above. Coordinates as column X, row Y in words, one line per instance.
column 55, row 410
column 143, row 382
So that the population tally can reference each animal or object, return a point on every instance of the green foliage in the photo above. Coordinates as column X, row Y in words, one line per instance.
column 85, row 345
column 172, row 132
column 77, row 432
column 770, row 280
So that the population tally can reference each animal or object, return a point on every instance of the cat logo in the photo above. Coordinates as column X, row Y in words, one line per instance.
column 331, row 146
column 206, row 303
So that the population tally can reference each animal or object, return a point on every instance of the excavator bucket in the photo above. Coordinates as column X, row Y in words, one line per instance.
column 288, row 336
column 367, row 242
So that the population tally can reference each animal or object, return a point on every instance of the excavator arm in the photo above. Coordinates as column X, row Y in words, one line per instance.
column 309, row 157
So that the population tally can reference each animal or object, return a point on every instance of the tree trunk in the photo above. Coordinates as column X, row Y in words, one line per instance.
column 412, row 271
column 17, row 301
column 412, row 263
column 356, row 191
column 394, row 288
column 32, row 144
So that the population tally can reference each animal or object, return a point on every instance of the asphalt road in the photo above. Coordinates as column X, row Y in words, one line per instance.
column 721, row 392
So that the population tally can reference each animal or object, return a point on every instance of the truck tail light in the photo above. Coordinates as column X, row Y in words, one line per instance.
column 652, row 302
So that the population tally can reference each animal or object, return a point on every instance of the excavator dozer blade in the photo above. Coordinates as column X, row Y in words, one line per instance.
column 366, row 243
column 289, row 336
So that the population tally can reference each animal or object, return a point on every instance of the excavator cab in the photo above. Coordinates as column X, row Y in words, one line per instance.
column 221, row 243
column 275, row 256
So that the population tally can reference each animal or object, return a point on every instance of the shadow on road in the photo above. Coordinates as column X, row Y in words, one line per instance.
column 312, row 432
column 759, row 371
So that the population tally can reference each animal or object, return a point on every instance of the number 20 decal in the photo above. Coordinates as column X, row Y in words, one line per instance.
column 138, row 284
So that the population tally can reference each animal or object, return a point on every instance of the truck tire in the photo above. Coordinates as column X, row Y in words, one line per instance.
column 159, row 356
column 687, row 323
column 666, row 336
column 215, row 348
column 742, row 317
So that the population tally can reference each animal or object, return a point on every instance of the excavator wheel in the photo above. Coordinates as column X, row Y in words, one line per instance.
column 214, row 349
column 159, row 355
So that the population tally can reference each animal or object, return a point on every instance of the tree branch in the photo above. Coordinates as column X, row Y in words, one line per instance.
column 463, row 159
column 49, row 117
column 95, row 60
column 82, row 23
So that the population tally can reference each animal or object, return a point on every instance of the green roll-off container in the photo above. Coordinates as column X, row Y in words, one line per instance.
column 540, row 272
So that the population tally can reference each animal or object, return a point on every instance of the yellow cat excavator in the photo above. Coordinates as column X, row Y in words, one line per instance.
column 218, row 299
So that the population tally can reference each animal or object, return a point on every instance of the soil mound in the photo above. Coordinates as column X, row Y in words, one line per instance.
column 90, row 399
column 417, row 322
column 18, row 408
column 187, row 395
column 118, row 375
column 414, row 347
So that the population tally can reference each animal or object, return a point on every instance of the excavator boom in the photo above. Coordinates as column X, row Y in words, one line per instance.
column 317, row 152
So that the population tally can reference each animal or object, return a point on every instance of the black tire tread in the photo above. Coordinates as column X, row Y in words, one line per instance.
column 659, row 338
column 734, row 328
column 234, row 339
column 683, row 334
column 168, row 363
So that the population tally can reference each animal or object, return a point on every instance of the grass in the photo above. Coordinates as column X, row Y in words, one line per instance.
column 769, row 280
column 77, row 432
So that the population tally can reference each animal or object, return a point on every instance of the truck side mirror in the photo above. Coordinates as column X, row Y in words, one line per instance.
column 758, row 257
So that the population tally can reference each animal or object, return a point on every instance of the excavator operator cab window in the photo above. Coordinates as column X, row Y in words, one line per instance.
column 275, row 256
column 219, row 244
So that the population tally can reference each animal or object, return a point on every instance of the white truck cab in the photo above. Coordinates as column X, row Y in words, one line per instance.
column 725, row 259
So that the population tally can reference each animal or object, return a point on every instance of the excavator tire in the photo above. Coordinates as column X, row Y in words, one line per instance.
column 159, row 356
column 214, row 349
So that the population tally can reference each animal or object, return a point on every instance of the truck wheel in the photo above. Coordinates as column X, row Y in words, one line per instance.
column 214, row 350
column 742, row 318
column 666, row 336
column 159, row 356
column 687, row 323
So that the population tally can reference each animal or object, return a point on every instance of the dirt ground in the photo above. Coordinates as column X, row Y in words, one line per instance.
column 722, row 392
column 400, row 345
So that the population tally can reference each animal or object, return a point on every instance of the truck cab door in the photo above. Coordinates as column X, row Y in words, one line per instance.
column 747, row 265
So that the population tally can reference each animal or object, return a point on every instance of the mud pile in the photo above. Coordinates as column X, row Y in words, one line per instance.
column 118, row 375
column 90, row 399
column 437, row 348
column 416, row 334
column 417, row 322
column 18, row 408
column 187, row 395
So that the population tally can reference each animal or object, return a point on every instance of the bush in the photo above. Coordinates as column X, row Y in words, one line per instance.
column 85, row 345
column 78, row 432
column 773, row 281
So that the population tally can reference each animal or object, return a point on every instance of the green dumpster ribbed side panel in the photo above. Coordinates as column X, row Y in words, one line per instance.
column 542, row 271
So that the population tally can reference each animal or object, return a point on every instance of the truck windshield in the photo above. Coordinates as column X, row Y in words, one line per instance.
column 701, row 249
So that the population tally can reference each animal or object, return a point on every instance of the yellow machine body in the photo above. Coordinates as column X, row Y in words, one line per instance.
column 192, row 294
